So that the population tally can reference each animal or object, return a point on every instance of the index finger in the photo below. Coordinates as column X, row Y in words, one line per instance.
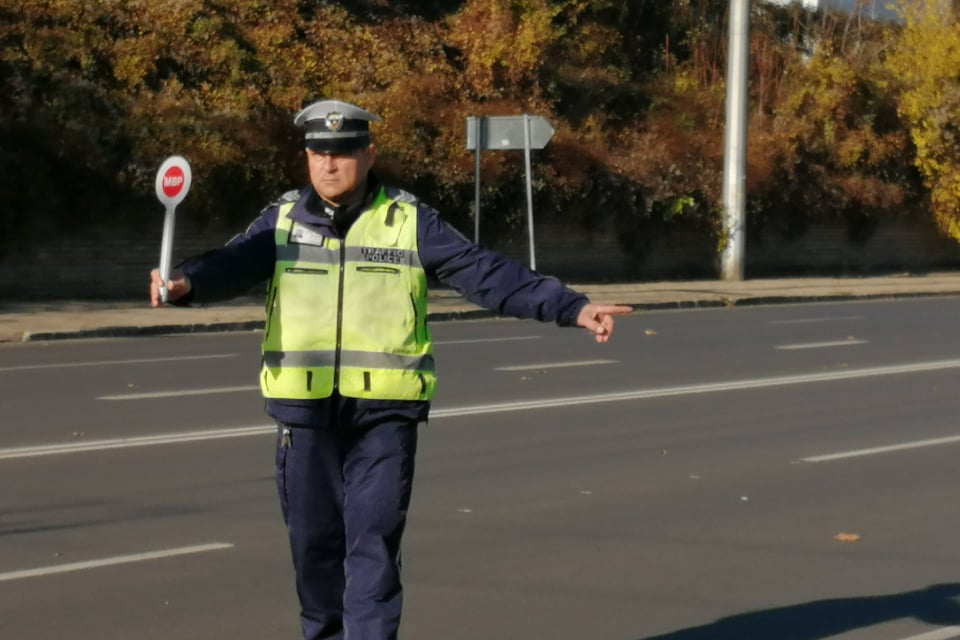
column 614, row 309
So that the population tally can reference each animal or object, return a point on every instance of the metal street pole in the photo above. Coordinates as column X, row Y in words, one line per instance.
column 735, row 142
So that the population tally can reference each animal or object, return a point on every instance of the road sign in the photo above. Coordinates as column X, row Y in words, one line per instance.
column 507, row 132
column 173, row 183
column 499, row 133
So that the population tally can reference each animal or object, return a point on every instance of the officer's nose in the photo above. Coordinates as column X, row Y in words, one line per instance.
column 325, row 161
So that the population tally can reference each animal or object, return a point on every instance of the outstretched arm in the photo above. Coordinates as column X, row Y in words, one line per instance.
column 490, row 279
column 223, row 273
column 493, row 281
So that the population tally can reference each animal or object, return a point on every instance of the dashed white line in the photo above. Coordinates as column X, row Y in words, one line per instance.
column 816, row 320
column 849, row 342
column 856, row 453
column 176, row 393
column 555, row 365
column 484, row 340
column 115, row 560
column 107, row 363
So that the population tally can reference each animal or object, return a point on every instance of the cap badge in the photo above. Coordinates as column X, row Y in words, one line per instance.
column 334, row 121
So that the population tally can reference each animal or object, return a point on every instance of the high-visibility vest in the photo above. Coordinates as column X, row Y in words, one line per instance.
column 349, row 315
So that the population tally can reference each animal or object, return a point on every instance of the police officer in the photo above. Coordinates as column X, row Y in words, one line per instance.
column 348, row 369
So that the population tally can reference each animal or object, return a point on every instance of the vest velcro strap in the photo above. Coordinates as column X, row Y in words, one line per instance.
column 355, row 359
column 371, row 360
column 322, row 255
column 299, row 359
column 307, row 253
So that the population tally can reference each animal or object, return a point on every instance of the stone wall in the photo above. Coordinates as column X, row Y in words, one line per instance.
column 902, row 245
column 98, row 264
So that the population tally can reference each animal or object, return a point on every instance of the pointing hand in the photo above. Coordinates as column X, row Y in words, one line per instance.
column 598, row 319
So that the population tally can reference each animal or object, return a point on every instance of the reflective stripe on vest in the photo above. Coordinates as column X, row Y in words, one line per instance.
column 349, row 315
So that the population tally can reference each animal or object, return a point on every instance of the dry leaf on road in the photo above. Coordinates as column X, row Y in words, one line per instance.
column 846, row 537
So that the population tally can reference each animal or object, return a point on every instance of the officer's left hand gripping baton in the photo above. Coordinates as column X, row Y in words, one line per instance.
column 173, row 182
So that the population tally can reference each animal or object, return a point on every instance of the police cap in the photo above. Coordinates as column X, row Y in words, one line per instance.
column 332, row 126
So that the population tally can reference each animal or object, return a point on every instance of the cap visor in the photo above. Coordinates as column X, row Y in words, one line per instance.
column 337, row 145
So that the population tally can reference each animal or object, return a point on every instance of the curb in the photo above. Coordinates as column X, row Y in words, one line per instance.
column 464, row 314
column 151, row 330
column 201, row 327
column 836, row 297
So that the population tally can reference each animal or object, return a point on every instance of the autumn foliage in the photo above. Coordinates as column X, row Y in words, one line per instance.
column 849, row 119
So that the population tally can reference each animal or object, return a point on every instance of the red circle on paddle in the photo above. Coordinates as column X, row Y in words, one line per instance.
column 172, row 182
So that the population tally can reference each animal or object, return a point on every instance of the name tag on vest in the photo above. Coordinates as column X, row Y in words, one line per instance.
column 300, row 234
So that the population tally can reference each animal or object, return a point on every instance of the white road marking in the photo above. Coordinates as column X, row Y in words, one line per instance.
column 820, row 345
column 481, row 340
column 856, row 453
column 735, row 385
column 503, row 407
column 555, row 365
column 126, row 443
column 176, row 393
column 107, row 562
column 945, row 633
column 105, row 363
column 816, row 320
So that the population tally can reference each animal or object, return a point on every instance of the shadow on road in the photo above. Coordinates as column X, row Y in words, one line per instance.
column 825, row 618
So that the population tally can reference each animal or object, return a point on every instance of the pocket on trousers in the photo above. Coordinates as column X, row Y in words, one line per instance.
column 280, row 460
column 283, row 450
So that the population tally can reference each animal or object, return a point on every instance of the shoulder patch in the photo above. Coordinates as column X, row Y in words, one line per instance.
column 286, row 198
column 290, row 196
column 402, row 196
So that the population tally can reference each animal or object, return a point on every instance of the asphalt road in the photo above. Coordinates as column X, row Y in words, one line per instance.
column 781, row 473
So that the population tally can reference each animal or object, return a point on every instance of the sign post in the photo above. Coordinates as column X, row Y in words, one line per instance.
column 173, row 183
column 527, row 136
column 477, row 131
column 500, row 133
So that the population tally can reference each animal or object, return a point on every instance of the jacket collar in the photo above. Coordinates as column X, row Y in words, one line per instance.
column 312, row 209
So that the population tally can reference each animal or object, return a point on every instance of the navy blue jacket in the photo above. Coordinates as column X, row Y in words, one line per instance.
column 483, row 277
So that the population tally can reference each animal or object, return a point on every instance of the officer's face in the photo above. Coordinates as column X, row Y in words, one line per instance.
column 336, row 177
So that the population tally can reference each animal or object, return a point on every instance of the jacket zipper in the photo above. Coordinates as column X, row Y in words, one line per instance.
column 271, row 301
column 416, row 319
column 336, row 362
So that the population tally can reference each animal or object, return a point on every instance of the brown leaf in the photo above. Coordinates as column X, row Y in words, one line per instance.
column 846, row 537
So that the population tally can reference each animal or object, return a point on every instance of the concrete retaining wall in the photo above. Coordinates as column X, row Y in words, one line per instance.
column 101, row 265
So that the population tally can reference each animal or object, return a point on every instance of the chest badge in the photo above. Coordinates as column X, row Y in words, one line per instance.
column 305, row 235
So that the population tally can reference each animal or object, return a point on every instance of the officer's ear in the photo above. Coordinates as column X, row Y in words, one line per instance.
column 370, row 154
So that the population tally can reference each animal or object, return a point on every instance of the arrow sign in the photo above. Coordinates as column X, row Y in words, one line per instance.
column 498, row 133
column 506, row 132
column 173, row 183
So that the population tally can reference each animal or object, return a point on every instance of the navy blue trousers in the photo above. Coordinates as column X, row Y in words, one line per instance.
column 344, row 496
